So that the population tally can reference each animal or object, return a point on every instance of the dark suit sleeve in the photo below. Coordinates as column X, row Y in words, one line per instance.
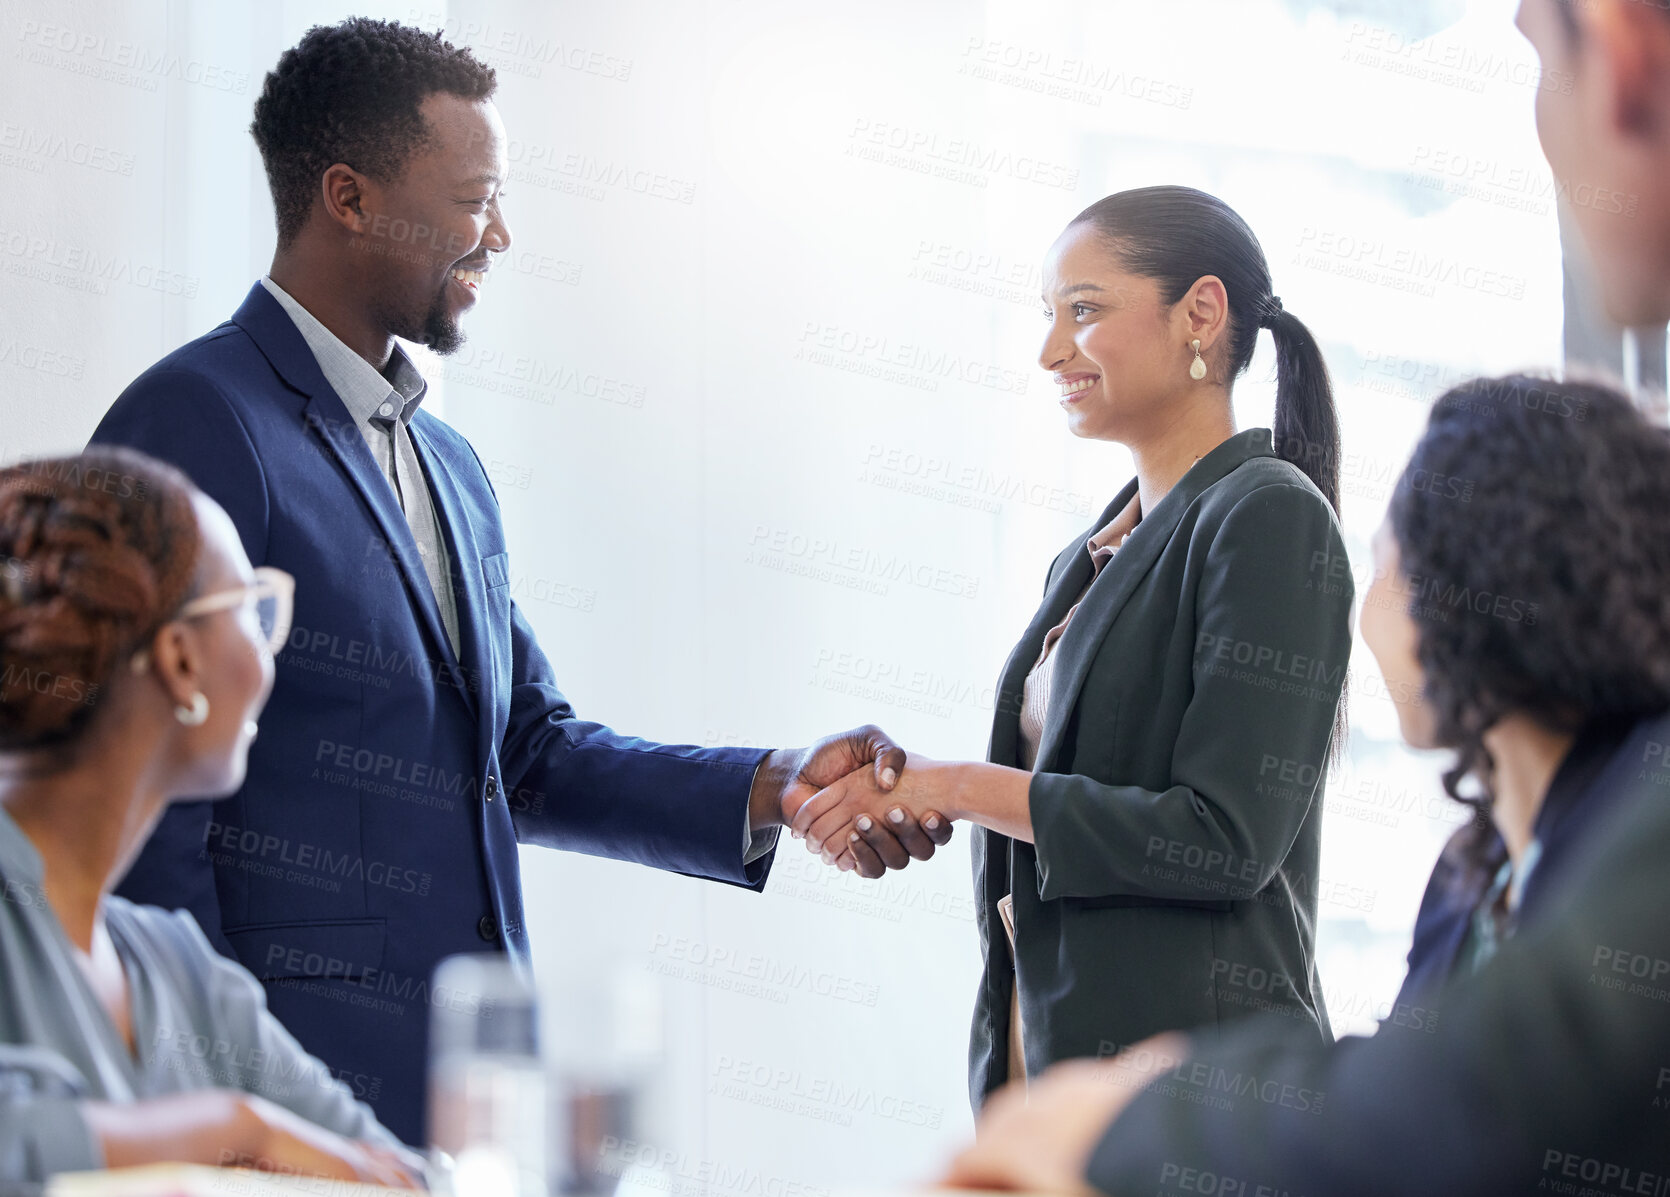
column 583, row 787
column 1272, row 638
column 182, row 418
column 1547, row 1069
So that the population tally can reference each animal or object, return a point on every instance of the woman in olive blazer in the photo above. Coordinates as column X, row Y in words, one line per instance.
column 1149, row 815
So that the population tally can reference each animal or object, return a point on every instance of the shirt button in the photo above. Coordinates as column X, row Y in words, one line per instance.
column 492, row 788
column 422, row 551
column 386, row 410
column 487, row 928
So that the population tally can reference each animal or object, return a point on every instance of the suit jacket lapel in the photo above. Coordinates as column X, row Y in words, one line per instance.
column 464, row 553
column 1063, row 590
column 278, row 338
column 1119, row 578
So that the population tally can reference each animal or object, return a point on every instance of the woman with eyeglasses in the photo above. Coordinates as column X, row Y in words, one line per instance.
column 136, row 651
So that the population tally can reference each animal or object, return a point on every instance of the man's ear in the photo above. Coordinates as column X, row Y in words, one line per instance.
column 1630, row 42
column 343, row 190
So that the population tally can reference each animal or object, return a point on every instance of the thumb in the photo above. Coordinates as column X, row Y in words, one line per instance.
column 888, row 759
column 888, row 766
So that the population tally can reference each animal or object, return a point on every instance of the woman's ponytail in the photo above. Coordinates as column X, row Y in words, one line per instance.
column 1305, row 431
column 1306, row 425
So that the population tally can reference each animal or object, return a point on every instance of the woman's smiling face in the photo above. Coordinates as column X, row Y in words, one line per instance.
column 1116, row 348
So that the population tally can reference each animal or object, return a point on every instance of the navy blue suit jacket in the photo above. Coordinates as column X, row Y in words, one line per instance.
column 1581, row 799
column 377, row 829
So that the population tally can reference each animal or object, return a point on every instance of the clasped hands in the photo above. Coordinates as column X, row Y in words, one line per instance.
column 854, row 802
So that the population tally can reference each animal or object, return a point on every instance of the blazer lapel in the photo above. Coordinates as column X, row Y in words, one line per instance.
column 277, row 336
column 465, row 554
column 1119, row 578
column 1063, row 590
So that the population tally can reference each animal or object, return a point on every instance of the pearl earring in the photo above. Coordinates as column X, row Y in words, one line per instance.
column 1197, row 368
column 195, row 715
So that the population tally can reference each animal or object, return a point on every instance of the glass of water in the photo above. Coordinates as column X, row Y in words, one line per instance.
column 604, row 1041
column 488, row 1107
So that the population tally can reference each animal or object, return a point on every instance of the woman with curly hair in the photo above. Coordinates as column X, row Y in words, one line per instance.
column 135, row 654
column 1526, row 627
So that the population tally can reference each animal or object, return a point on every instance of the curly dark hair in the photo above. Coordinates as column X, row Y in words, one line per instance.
column 96, row 552
column 1530, row 524
column 350, row 93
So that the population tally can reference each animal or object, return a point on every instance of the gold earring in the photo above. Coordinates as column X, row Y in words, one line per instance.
column 1197, row 368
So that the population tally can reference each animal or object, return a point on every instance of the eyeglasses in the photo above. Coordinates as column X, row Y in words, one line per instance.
column 266, row 603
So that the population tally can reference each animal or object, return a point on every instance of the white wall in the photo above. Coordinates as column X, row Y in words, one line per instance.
column 716, row 282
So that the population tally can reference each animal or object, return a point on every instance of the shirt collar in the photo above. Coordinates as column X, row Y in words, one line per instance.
column 367, row 393
column 1111, row 535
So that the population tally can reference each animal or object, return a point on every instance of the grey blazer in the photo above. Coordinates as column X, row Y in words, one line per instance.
column 1176, row 798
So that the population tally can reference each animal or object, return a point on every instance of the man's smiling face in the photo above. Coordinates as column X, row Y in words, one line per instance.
column 430, row 235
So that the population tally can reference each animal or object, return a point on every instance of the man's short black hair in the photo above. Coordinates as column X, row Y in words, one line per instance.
column 350, row 93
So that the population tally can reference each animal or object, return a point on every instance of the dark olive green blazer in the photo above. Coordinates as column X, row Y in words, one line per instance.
column 1176, row 800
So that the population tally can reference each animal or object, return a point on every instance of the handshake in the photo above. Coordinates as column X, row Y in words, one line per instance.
column 847, row 796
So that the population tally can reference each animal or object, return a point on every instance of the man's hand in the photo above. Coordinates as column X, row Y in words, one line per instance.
column 855, row 817
column 1040, row 1138
column 790, row 778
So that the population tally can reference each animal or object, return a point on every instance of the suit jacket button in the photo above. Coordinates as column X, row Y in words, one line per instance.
column 492, row 787
column 487, row 928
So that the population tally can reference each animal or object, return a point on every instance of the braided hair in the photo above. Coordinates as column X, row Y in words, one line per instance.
column 96, row 552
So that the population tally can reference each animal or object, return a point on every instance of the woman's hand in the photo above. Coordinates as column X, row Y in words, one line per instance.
column 854, row 825
column 857, row 826
column 231, row 1129
column 1040, row 1138
column 285, row 1142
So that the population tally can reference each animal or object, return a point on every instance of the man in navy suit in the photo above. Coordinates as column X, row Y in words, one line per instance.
column 416, row 733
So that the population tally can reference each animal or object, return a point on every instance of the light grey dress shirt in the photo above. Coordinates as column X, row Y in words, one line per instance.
column 382, row 406
column 200, row 1021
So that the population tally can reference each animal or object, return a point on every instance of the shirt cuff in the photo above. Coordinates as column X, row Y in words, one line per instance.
column 756, row 844
column 759, row 843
